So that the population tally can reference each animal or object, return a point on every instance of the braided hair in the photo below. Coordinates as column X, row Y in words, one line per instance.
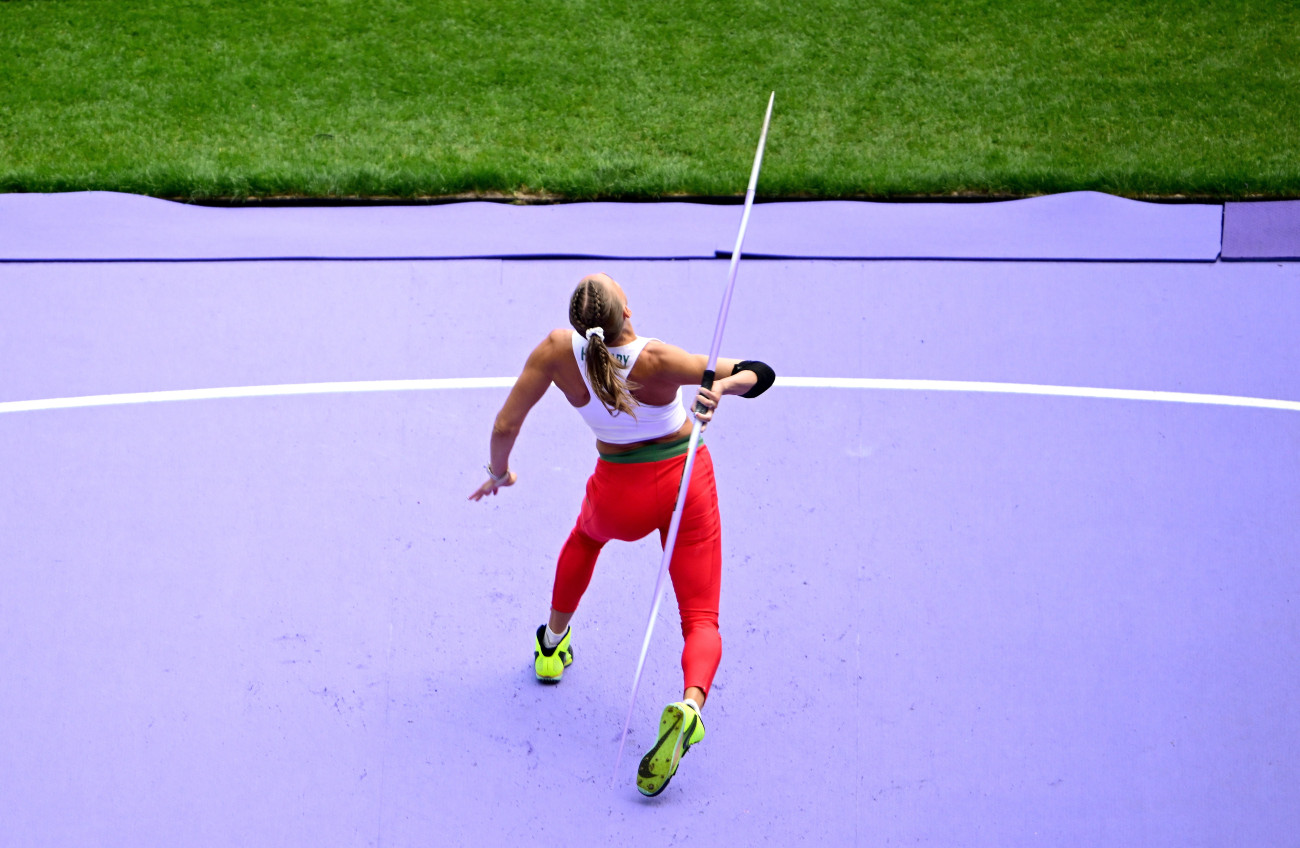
column 594, row 306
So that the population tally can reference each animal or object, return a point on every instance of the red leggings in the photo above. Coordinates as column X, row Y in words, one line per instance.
column 627, row 502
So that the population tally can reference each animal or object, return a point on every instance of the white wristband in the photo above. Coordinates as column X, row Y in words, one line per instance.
column 495, row 478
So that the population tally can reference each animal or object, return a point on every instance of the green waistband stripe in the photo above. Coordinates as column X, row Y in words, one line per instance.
column 651, row 453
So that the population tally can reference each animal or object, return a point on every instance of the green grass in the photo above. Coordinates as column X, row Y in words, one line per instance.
column 584, row 98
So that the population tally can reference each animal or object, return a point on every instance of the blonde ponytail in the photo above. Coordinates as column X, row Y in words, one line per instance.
column 597, row 315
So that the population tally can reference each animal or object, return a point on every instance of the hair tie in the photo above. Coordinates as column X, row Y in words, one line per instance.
column 596, row 331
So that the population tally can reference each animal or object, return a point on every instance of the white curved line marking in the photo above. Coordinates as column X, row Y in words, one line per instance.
column 507, row 382
column 1032, row 389
column 261, row 391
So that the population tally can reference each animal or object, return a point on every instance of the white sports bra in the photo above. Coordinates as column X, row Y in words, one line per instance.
column 618, row 428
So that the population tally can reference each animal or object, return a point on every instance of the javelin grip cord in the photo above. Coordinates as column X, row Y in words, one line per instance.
column 709, row 370
column 705, row 383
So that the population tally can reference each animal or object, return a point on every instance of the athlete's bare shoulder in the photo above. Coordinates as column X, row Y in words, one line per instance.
column 555, row 357
column 668, row 363
column 657, row 352
column 561, row 339
column 554, row 348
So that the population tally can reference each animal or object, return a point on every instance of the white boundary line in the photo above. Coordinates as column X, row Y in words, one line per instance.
column 507, row 382
column 1032, row 389
column 261, row 391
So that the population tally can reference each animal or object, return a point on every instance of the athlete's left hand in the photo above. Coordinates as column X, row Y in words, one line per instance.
column 491, row 486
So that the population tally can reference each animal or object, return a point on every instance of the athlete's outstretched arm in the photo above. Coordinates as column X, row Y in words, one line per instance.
column 687, row 369
column 527, row 391
column 683, row 369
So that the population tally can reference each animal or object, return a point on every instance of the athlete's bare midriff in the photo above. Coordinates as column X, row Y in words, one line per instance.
column 607, row 449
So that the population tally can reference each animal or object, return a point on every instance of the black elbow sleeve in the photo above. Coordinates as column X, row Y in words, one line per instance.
column 766, row 376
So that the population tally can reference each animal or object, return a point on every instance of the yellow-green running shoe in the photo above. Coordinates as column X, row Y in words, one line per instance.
column 680, row 727
column 550, row 664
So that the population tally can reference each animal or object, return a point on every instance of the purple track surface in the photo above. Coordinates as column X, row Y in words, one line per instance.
column 1262, row 230
column 1078, row 226
column 1083, row 225
column 949, row 618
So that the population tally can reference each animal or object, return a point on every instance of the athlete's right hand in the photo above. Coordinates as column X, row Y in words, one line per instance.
column 706, row 401
column 491, row 486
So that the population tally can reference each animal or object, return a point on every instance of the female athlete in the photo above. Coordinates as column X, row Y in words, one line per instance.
column 629, row 391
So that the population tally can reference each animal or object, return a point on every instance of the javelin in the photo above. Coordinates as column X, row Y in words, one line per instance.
column 707, row 383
